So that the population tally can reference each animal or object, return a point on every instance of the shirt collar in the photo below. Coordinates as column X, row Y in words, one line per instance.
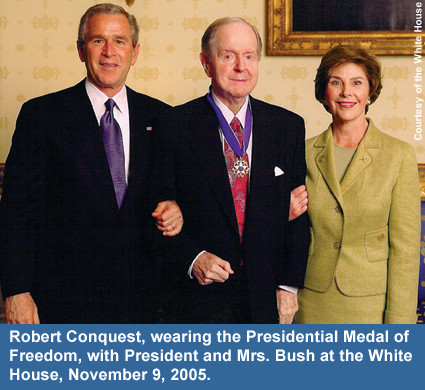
column 227, row 113
column 98, row 99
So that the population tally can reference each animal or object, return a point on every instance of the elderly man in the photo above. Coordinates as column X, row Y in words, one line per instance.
column 230, row 161
column 75, row 210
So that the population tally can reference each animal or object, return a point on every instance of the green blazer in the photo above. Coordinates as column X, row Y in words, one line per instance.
column 365, row 231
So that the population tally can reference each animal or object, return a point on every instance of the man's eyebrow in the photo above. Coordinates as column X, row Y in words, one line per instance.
column 96, row 36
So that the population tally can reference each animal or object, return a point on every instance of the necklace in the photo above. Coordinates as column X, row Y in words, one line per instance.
column 240, row 166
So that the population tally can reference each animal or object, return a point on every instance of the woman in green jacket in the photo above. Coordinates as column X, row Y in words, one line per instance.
column 364, row 205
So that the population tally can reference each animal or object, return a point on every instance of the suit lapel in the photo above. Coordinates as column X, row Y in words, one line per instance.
column 207, row 147
column 262, row 147
column 325, row 161
column 88, row 141
column 363, row 157
column 139, row 146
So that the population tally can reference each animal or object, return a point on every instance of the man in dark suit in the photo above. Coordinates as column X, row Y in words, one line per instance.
column 238, row 256
column 74, row 243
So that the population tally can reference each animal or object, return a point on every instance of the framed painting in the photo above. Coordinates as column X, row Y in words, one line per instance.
column 421, row 168
column 312, row 27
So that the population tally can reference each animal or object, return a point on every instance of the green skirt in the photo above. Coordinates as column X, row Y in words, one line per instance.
column 333, row 307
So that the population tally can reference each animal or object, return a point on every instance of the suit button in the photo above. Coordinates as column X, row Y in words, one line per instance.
column 366, row 159
column 338, row 209
column 381, row 236
column 336, row 245
column 322, row 158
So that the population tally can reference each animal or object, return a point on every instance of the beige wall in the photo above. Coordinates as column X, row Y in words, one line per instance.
column 38, row 55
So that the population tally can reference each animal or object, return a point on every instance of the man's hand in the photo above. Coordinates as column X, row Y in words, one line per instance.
column 299, row 201
column 209, row 268
column 169, row 218
column 287, row 306
column 21, row 309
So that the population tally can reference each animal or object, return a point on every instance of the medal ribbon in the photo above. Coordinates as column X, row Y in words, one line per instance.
column 228, row 134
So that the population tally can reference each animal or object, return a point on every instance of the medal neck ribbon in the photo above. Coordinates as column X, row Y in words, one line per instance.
column 230, row 137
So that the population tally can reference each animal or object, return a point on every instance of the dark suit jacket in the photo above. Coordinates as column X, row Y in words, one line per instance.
column 191, row 169
column 64, row 238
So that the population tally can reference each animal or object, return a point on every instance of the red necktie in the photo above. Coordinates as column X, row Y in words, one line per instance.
column 238, row 184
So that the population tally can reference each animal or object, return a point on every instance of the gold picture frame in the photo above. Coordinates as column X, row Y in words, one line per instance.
column 283, row 40
column 421, row 169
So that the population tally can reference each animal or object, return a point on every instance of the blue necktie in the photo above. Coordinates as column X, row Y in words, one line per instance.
column 112, row 139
